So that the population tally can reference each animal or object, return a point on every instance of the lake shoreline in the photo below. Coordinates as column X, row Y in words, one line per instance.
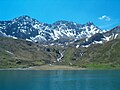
column 56, row 67
column 47, row 67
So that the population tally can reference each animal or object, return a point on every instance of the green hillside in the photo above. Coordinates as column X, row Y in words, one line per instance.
column 21, row 53
column 106, row 55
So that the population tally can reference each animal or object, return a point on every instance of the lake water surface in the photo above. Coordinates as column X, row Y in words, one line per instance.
column 60, row 80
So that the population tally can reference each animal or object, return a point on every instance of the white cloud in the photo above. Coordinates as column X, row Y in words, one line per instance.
column 104, row 17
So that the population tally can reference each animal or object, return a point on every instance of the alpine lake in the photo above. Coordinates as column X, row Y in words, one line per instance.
column 59, row 79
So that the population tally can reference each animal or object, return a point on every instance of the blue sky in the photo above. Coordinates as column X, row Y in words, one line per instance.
column 103, row 13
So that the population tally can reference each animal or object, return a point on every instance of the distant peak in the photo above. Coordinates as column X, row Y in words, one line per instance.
column 24, row 16
column 89, row 23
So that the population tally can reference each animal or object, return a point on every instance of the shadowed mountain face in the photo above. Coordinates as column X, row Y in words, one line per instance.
column 115, row 32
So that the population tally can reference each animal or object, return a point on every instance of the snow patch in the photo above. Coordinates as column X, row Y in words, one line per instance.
column 86, row 45
column 9, row 52
column 115, row 36
column 77, row 46
column 61, row 56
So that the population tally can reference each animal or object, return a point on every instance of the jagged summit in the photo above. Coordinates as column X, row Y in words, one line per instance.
column 24, row 16
column 89, row 23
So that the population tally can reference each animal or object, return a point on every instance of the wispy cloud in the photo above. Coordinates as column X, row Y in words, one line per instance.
column 105, row 18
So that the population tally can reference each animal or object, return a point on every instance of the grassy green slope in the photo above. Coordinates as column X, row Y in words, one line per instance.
column 20, row 53
column 95, row 56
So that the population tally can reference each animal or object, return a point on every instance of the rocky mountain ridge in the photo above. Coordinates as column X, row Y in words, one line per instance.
column 25, row 27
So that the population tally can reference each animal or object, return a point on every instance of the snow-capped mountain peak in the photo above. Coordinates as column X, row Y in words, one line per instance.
column 31, row 29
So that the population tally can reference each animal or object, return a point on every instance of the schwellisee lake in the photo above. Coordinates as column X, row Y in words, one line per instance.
column 60, row 80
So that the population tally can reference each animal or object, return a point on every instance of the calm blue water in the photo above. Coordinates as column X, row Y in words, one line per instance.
column 60, row 80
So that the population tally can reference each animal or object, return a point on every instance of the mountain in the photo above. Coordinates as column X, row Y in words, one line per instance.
column 26, row 42
column 113, row 33
column 25, row 27
column 100, row 38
